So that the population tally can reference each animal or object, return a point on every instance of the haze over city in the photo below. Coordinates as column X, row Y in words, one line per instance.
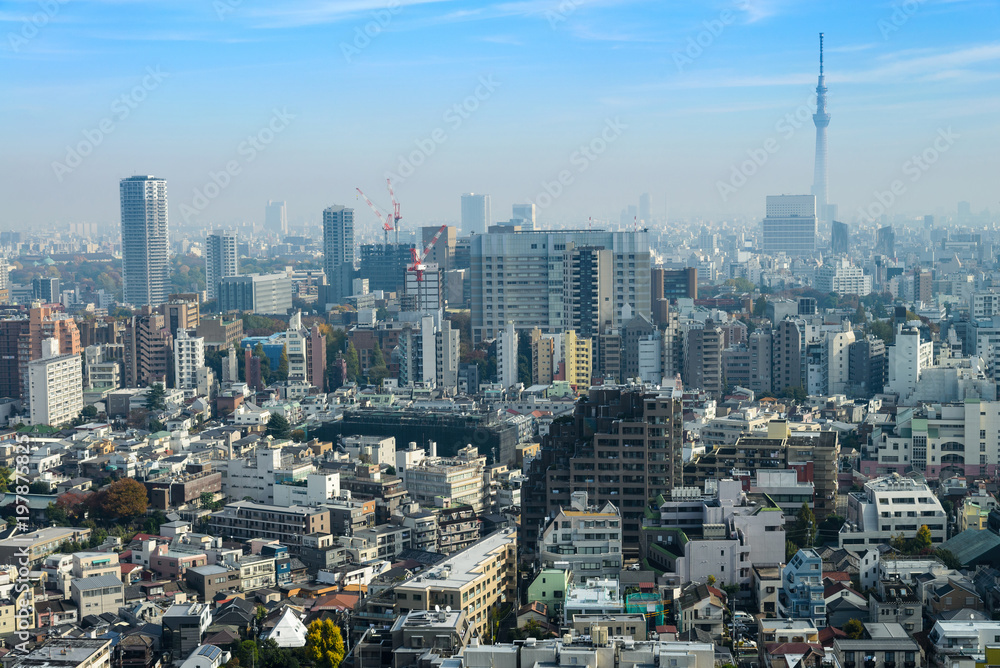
column 492, row 97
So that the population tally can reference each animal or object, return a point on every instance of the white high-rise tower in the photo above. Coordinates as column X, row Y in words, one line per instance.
column 145, row 243
column 476, row 214
column 821, row 118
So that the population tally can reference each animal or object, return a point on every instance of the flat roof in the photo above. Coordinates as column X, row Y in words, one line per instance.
column 464, row 565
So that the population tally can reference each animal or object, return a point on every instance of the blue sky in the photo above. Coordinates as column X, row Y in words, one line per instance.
column 558, row 74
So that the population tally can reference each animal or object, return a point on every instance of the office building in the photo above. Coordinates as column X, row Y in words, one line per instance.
column 524, row 215
column 221, row 260
column 458, row 478
column 507, row 356
column 145, row 243
column 509, row 267
column 55, row 386
column 189, row 359
column 338, row 252
column 671, row 284
column 840, row 238
column 45, row 289
column 477, row 580
column 423, row 291
column 885, row 241
column 183, row 311
column 427, row 352
column 276, row 218
column 385, row 266
column 476, row 214
column 790, row 225
column 265, row 294
column 869, row 366
column 645, row 208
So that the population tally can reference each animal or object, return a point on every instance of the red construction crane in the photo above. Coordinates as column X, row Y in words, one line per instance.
column 396, row 217
column 386, row 224
column 418, row 265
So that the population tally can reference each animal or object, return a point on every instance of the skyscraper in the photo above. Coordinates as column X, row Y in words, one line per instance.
column 276, row 218
column 145, row 246
column 221, row 260
column 822, row 119
column 790, row 225
column 476, row 214
column 840, row 239
column 338, row 251
column 526, row 214
column 645, row 208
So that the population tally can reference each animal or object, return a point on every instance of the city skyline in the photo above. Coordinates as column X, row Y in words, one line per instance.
column 678, row 97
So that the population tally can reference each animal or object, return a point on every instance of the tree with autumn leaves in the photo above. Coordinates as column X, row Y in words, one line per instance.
column 124, row 499
column 324, row 644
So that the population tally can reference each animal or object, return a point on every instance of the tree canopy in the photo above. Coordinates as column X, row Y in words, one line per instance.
column 324, row 644
column 278, row 426
column 122, row 499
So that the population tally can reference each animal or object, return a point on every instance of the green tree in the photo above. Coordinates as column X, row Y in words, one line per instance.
column 6, row 478
column 760, row 307
column 949, row 559
column 741, row 284
column 883, row 330
column 854, row 629
column 324, row 644
column 353, row 365
column 804, row 529
column 206, row 500
column 57, row 515
column 860, row 316
column 156, row 397
column 39, row 487
column 524, row 370
column 378, row 359
column 922, row 541
column 89, row 412
column 376, row 374
column 282, row 373
column 298, row 435
column 278, row 426
column 711, row 580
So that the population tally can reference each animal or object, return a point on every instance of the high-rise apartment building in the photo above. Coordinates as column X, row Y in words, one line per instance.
column 790, row 225
column 588, row 284
column 189, row 358
column 45, row 323
column 338, row 251
column 276, row 218
column 148, row 350
column 476, row 214
column 510, row 270
column 55, row 385
column 145, row 243
column 842, row 277
column 221, row 260
column 703, row 359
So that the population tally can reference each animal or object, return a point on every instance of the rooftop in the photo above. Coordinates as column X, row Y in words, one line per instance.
column 463, row 567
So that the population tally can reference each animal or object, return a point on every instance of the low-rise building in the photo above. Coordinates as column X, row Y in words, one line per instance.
column 184, row 626
column 587, row 538
column 97, row 595
column 890, row 506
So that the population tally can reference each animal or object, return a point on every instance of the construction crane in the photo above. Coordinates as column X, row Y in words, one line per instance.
column 418, row 265
column 386, row 224
column 396, row 217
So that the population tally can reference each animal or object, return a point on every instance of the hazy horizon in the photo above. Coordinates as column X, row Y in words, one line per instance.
column 493, row 97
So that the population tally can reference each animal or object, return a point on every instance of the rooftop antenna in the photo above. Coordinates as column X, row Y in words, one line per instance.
column 821, row 53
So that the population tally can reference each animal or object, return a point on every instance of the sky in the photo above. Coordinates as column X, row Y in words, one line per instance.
column 576, row 105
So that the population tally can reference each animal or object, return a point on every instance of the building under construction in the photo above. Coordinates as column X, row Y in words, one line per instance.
column 385, row 266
